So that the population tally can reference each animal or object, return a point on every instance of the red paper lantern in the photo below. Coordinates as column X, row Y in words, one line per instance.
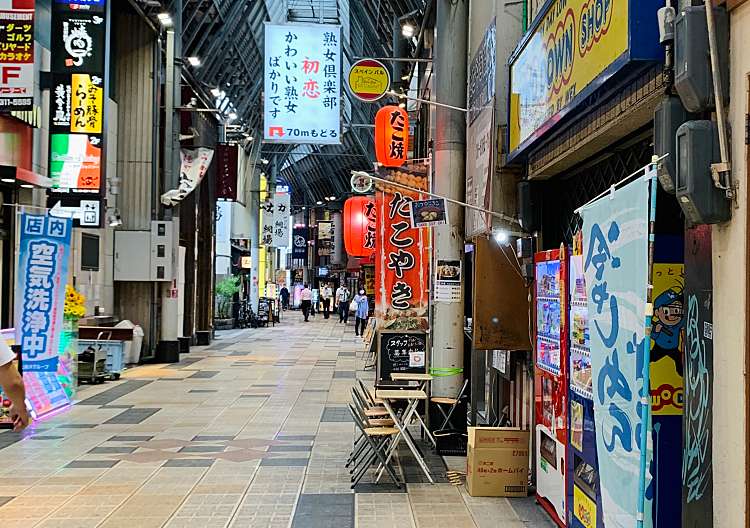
column 359, row 226
column 392, row 136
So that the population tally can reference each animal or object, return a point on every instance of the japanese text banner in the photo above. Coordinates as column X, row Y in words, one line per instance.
column 40, row 290
column 617, row 273
column 281, row 220
column 302, row 85
column 402, row 264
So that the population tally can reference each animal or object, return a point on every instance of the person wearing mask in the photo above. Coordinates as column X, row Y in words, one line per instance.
column 327, row 295
column 284, row 297
column 363, row 311
column 306, row 296
column 342, row 298
column 12, row 384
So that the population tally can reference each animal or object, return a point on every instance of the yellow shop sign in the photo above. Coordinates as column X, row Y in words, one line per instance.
column 571, row 46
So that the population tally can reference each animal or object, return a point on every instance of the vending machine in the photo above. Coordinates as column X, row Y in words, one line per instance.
column 551, row 381
column 584, row 495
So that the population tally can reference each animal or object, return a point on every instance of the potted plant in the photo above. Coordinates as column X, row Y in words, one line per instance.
column 226, row 289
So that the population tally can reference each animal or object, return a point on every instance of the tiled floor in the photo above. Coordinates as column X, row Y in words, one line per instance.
column 252, row 431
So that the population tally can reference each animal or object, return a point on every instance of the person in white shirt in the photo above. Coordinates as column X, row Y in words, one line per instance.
column 12, row 385
column 342, row 298
column 306, row 296
column 326, row 294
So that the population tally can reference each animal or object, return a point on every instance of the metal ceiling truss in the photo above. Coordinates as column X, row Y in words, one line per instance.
column 227, row 36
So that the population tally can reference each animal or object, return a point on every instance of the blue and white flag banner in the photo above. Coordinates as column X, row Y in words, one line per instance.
column 40, row 289
column 616, row 266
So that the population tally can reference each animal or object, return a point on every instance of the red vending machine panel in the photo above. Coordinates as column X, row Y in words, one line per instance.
column 551, row 381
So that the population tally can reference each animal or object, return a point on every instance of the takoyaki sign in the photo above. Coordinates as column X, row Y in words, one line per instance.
column 428, row 213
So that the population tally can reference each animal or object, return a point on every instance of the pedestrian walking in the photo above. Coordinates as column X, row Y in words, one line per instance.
column 306, row 296
column 12, row 384
column 342, row 298
column 327, row 296
column 284, row 297
column 363, row 311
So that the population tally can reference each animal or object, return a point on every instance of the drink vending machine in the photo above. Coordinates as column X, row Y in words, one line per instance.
column 551, row 381
column 583, row 492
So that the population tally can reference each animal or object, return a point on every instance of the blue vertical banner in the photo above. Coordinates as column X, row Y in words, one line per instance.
column 616, row 267
column 40, row 289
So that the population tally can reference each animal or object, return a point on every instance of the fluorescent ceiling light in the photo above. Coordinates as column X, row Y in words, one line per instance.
column 232, row 116
column 408, row 30
column 215, row 92
column 165, row 19
column 8, row 180
column 194, row 61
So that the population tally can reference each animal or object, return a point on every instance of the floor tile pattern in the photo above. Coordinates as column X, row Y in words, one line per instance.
column 252, row 431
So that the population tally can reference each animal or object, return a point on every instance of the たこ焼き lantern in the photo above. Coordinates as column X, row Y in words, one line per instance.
column 359, row 226
column 392, row 136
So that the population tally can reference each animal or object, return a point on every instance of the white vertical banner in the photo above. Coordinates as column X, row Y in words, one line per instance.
column 268, row 213
column 282, row 205
column 302, row 84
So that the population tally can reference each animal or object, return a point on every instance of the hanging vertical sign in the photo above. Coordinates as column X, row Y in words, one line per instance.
column 268, row 210
column 79, row 48
column 616, row 268
column 401, row 263
column 392, row 136
column 281, row 220
column 302, row 84
column 227, row 157
column 194, row 165
column 299, row 244
column 16, row 55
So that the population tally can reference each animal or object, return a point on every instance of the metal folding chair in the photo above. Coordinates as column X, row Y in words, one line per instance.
column 439, row 402
column 376, row 440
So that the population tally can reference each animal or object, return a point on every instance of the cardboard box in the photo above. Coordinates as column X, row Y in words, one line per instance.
column 497, row 463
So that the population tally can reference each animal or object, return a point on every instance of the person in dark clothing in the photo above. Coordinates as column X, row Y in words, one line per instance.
column 284, row 297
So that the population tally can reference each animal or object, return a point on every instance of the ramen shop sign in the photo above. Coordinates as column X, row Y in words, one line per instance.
column 392, row 136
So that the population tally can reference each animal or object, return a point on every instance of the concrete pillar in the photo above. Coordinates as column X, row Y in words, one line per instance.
column 450, row 170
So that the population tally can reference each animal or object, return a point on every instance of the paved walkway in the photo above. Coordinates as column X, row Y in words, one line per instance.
column 249, row 432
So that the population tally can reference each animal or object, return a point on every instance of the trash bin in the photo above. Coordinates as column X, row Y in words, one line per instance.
column 132, row 349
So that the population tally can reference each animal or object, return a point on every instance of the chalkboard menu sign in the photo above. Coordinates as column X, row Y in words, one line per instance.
column 401, row 351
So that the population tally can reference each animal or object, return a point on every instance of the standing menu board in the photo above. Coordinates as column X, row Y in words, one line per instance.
column 400, row 351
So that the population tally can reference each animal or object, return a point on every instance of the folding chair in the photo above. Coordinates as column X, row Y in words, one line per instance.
column 372, row 416
column 375, row 440
column 439, row 402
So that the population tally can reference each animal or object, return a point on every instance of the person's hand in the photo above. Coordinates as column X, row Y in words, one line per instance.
column 659, row 327
column 20, row 417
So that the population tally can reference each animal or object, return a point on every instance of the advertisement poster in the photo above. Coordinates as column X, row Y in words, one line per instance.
column 580, row 355
column 75, row 162
column 429, row 213
column 480, row 166
column 79, row 47
column 401, row 265
column 194, row 166
column 17, row 55
column 616, row 268
column 576, row 425
column 43, row 256
column 448, row 281
column 281, row 216
column 573, row 45
column 302, row 84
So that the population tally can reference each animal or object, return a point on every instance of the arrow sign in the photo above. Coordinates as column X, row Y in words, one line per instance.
column 87, row 213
